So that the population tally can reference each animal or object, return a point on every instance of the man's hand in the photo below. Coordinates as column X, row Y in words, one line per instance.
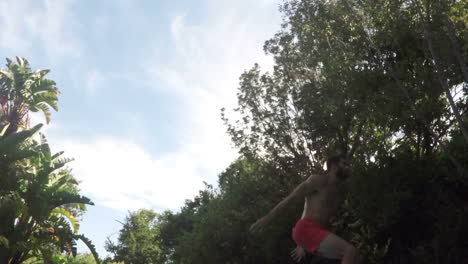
column 260, row 224
column 298, row 253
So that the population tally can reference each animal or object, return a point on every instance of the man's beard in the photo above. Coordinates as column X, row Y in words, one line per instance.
column 342, row 174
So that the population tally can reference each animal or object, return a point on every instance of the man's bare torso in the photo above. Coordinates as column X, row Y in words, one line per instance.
column 322, row 204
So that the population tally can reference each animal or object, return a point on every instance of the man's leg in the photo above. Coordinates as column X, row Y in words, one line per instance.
column 334, row 247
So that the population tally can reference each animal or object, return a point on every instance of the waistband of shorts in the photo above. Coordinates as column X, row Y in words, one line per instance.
column 310, row 223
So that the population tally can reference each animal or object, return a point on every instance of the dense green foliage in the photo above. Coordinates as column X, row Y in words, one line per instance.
column 384, row 81
column 65, row 259
column 39, row 198
column 137, row 242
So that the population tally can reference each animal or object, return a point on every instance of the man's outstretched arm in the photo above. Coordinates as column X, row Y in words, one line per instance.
column 301, row 190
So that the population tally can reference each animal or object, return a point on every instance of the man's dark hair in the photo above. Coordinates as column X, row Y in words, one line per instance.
column 335, row 159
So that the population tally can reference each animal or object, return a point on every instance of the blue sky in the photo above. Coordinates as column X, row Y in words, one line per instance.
column 142, row 85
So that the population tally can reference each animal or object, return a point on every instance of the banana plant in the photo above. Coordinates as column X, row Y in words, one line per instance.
column 39, row 198
column 38, row 214
column 22, row 91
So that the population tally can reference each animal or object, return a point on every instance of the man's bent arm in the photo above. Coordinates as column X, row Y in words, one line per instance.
column 302, row 190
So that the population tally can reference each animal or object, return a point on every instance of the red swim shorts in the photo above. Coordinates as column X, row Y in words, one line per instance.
column 309, row 234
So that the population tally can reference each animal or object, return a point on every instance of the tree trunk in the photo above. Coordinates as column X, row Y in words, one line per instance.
column 456, row 47
column 436, row 62
column 13, row 121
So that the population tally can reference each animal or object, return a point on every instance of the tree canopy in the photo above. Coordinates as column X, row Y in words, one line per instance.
column 137, row 242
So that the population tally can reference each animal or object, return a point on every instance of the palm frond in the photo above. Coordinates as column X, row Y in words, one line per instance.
column 7, row 74
column 46, row 99
column 39, row 74
column 45, row 109
column 59, row 163
column 43, row 86
column 45, row 148
column 56, row 155
column 90, row 245
column 63, row 183
column 67, row 214
column 24, row 63
column 61, row 198
column 21, row 154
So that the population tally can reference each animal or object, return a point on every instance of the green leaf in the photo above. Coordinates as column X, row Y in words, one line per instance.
column 11, row 141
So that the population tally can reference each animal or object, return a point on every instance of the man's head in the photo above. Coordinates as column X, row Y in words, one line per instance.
column 337, row 165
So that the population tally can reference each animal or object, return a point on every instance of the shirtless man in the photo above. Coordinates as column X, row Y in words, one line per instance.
column 323, row 195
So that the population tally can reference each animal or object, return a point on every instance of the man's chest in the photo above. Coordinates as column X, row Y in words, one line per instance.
column 331, row 195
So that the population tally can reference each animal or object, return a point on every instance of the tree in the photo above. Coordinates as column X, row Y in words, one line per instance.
column 39, row 197
column 357, row 77
column 137, row 242
column 213, row 227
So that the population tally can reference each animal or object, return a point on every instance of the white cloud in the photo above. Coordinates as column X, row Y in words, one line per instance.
column 50, row 26
column 122, row 175
column 177, row 25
